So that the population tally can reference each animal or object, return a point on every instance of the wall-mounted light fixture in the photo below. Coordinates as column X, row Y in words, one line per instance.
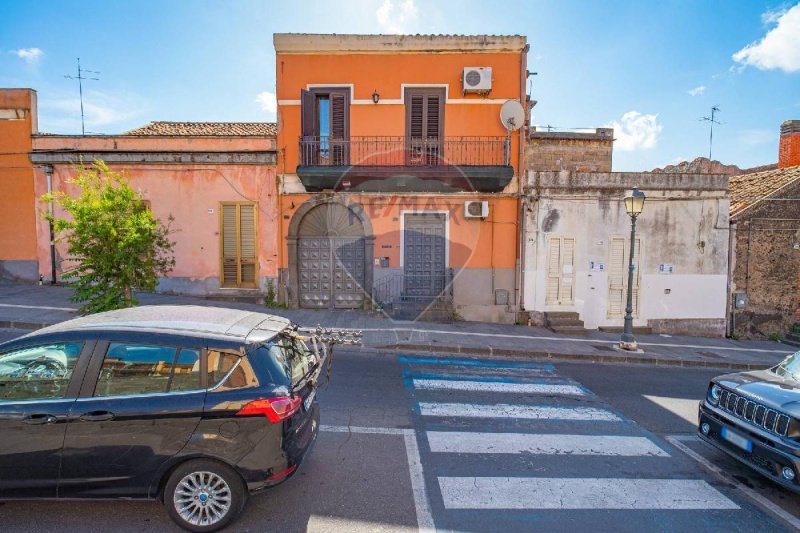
column 376, row 96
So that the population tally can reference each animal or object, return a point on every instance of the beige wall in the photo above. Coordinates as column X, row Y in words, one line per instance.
column 684, row 224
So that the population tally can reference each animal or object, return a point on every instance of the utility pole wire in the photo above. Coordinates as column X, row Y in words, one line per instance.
column 80, row 79
column 711, row 120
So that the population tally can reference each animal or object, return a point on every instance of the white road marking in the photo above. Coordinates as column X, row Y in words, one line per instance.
column 545, row 444
column 500, row 410
column 40, row 307
column 580, row 493
column 682, row 407
column 764, row 503
column 494, row 386
column 365, row 430
column 421, row 505
column 572, row 339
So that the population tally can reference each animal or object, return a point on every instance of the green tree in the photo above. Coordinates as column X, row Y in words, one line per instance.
column 114, row 240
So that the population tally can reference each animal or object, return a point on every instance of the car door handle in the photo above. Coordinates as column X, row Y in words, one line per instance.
column 97, row 416
column 38, row 420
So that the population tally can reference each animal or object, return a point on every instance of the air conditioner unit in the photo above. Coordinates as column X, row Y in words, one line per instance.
column 476, row 209
column 477, row 79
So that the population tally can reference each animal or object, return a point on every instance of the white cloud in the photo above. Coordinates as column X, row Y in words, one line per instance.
column 396, row 16
column 700, row 89
column 30, row 55
column 636, row 131
column 268, row 102
column 780, row 47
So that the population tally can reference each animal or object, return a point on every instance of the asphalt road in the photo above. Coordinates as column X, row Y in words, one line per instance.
column 589, row 451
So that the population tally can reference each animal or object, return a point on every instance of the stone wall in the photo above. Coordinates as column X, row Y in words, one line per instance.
column 578, row 152
column 767, row 266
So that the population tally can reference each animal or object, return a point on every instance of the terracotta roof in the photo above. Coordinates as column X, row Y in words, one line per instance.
column 213, row 129
column 749, row 189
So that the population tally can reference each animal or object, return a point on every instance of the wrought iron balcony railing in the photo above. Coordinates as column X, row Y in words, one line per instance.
column 403, row 151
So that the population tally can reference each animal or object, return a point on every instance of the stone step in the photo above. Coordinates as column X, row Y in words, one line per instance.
column 553, row 322
column 562, row 314
column 570, row 330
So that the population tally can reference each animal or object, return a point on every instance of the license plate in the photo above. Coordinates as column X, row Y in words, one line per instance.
column 736, row 439
column 309, row 399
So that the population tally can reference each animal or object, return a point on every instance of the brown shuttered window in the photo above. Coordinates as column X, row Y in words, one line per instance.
column 424, row 125
column 239, row 249
column 325, row 117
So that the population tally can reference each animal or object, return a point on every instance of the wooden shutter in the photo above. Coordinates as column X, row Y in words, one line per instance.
column 560, row 271
column 619, row 252
column 308, row 140
column 553, row 271
column 424, row 125
column 432, row 116
column 247, row 245
column 307, row 113
column 239, row 245
column 230, row 253
column 339, row 126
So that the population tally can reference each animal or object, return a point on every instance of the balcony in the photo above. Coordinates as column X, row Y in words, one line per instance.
column 404, row 164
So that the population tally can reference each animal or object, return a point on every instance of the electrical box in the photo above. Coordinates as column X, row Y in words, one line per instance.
column 501, row 297
column 739, row 299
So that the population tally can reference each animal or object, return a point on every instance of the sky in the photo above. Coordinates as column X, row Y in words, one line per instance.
column 652, row 70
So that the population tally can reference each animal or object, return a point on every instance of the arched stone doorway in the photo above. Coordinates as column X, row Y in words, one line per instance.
column 330, row 255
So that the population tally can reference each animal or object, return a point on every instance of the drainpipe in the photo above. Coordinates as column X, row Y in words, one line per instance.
column 730, row 316
column 520, row 263
column 48, row 170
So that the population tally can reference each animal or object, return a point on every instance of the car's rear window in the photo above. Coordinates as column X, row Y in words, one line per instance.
column 290, row 359
column 230, row 371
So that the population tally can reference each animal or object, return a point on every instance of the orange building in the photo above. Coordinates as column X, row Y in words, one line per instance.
column 17, row 203
column 398, row 179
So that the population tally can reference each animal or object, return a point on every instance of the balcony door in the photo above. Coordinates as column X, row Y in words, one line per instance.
column 424, row 126
column 326, row 126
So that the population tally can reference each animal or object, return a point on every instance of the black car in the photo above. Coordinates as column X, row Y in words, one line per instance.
column 194, row 406
column 755, row 418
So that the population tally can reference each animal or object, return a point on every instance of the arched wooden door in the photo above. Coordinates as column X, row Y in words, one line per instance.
column 331, row 258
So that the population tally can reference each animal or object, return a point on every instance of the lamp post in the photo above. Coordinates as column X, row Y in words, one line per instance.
column 634, row 203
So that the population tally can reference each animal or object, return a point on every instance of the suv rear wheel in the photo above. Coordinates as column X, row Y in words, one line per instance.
column 204, row 496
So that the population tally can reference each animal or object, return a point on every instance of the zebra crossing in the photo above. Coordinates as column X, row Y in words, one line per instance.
column 505, row 445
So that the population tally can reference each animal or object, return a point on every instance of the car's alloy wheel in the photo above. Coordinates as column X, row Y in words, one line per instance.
column 204, row 495
column 202, row 498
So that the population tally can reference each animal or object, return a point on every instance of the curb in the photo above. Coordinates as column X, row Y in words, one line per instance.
column 509, row 352
column 488, row 350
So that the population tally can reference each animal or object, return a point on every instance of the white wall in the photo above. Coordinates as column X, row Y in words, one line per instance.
column 684, row 228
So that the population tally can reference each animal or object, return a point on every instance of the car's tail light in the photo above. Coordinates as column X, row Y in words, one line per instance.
column 275, row 409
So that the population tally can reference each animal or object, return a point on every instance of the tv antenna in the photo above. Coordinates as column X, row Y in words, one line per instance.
column 80, row 77
column 711, row 120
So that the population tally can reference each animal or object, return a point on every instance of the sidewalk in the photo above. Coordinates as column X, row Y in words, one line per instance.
column 26, row 306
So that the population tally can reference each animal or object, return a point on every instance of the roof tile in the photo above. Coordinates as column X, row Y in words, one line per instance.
column 211, row 129
column 751, row 188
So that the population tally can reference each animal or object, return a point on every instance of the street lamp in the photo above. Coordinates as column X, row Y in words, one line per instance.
column 634, row 204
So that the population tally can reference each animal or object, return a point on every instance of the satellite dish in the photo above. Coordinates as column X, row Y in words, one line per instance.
column 512, row 115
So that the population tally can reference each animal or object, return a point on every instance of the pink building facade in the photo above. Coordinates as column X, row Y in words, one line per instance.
column 216, row 181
